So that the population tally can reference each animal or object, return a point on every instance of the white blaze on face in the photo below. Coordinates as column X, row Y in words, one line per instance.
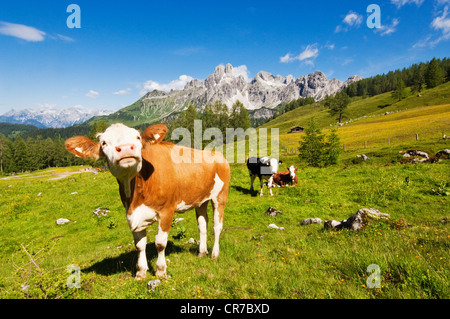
column 120, row 143
column 292, row 172
column 122, row 148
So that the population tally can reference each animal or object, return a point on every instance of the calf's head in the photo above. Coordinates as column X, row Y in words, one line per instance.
column 121, row 146
column 292, row 169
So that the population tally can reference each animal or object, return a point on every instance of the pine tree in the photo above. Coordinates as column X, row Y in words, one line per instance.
column 208, row 117
column 221, row 112
column 338, row 104
column 400, row 91
column 418, row 81
column 332, row 148
column 239, row 116
column 311, row 148
column 4, row 150
column 20, row 156
column 97, row 127
column 434, row 74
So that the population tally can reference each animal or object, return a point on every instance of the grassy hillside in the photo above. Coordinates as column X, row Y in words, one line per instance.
column 377, row 105
column 255, row 261
column 412, row 249
column 144, row 111
column 377, row 122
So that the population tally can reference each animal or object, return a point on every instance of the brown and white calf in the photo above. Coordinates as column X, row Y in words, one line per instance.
column 286, row 177
column 154, row 184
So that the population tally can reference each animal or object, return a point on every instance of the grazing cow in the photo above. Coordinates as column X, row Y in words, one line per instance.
column 153, row 185
column 286, row 177
column 264, row 168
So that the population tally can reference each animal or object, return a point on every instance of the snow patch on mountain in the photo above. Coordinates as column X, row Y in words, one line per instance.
column 51, row 117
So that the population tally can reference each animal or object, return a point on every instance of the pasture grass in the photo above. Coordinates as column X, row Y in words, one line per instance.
column 399, row 128
column 412, row 250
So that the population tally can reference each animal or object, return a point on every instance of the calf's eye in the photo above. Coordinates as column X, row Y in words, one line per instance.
column 103, row 143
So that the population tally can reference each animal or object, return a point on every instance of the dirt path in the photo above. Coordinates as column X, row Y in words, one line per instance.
column 54, row 176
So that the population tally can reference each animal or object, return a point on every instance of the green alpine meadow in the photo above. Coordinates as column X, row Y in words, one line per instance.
column 92, row 254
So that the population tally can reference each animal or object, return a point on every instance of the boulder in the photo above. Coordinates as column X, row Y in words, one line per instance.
column 363, row 156
column 272, row 212
column 273, row 226
column 358, row 220
column 62, row 221
column 415, row 154
column 444, row 154
column 309, row 221
column 152, row 284
column 101, row 211
column 192, row 241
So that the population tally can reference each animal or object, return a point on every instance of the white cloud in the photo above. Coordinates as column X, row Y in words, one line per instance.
column 347, row 61
column 287, row 58
column 308, row 55
column 422, row 43
column 352, row 19
column 330, row 46
column 442, row 24
column 177, row 84
column 401, row 3
column 64, row 38
column 21, row 31
column 311, row 51
column 242, row 70
column 92, row 94
column 388, row 29
column 126, row 91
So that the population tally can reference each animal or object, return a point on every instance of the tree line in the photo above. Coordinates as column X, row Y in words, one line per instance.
column 30, row 154
column 216, row 115
column 24, row 153
column 418, row 76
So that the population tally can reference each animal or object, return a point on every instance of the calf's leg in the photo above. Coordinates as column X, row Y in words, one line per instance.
column 202, row 220
column 161, row 244
column 140, row 240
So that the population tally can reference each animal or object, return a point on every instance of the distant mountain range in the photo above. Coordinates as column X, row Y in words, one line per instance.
column 50, row 117
column 260, row 96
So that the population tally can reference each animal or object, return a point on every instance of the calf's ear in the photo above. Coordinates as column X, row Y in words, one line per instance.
column 154, row 133
column 83, row 147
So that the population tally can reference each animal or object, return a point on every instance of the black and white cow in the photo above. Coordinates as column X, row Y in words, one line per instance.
column 264, row 168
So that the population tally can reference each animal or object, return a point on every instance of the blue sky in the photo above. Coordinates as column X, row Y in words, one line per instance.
column 124, row 48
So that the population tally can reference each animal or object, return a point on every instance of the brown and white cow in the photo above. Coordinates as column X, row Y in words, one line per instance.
column 154, row 184
column 286, row 177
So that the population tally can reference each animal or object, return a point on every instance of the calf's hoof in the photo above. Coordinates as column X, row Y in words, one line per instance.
column 140, row 275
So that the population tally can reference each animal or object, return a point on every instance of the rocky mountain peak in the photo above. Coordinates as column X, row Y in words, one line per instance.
column 229, row 69
column 264, row 90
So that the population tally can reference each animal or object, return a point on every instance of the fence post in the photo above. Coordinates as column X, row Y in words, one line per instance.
column 417, row 137
column 365, row 144
column 343, row 145
column 389, row 141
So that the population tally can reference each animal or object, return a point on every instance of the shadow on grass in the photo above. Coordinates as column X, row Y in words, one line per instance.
column 245, row 191
column 126, row 262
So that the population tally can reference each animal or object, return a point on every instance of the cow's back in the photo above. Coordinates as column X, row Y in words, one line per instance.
column 190, row 182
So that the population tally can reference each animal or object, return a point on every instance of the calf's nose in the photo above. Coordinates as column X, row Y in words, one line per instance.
column 126, row 149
